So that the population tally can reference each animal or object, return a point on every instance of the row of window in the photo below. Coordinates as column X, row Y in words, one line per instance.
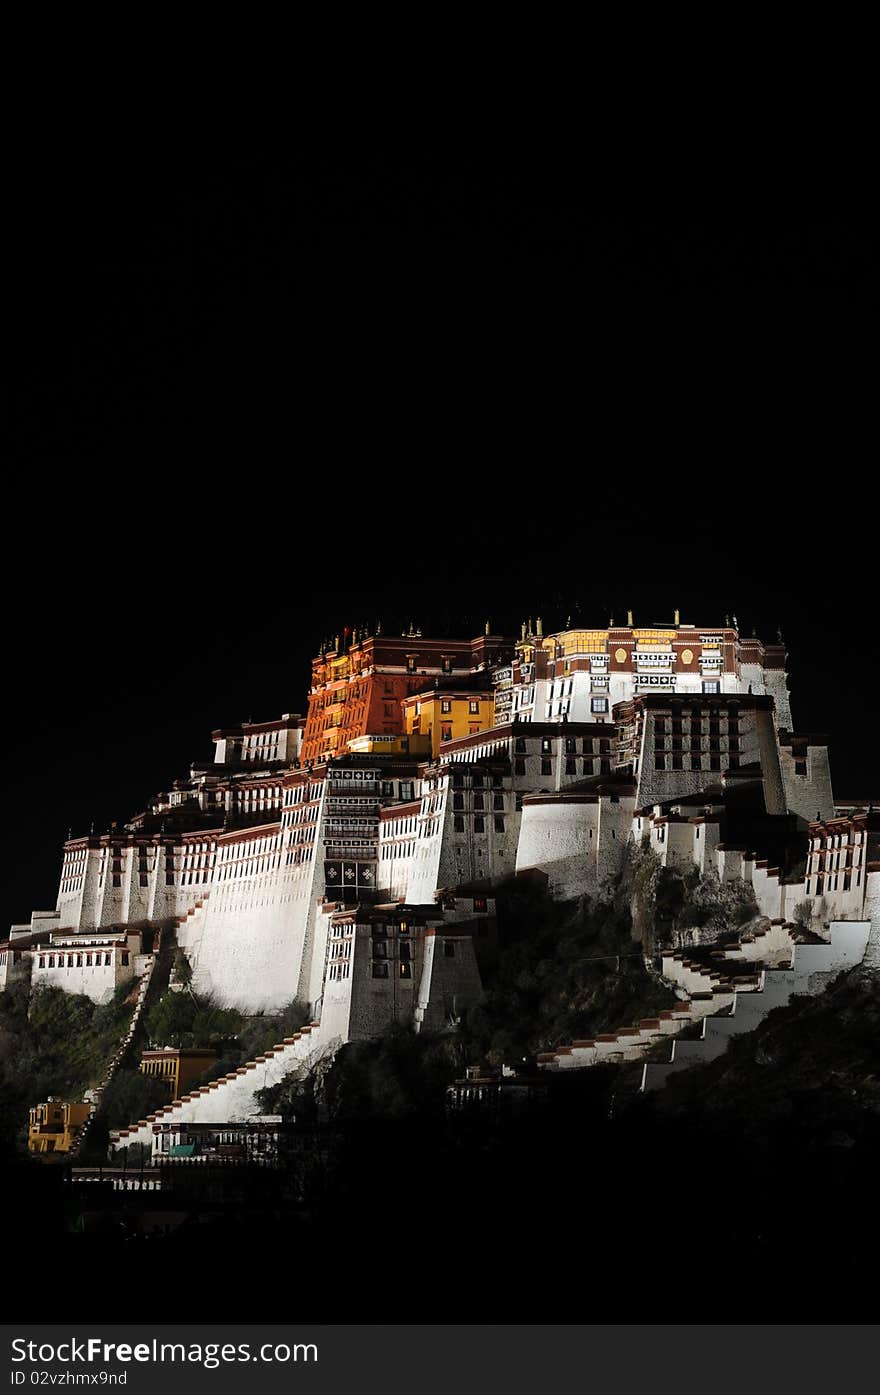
column 675, row 761
column 693, row 724
column 479, row 801
column 93, row 959
column 675, row 743
column 479, row 824
column 589, row 766
column 589, row 746
column 831, row 883
column 381, row 970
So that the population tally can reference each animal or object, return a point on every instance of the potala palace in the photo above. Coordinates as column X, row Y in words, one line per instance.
column 349, row 858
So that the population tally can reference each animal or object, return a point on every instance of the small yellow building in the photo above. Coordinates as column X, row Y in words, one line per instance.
column 54, row 1126
column 445, row 714
column 177, row 1067
column 390, row 745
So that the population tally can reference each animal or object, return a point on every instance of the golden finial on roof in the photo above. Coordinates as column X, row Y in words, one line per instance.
column 677, row 617
column 629, row 618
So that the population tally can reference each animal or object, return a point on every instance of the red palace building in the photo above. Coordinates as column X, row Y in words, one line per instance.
column 357, row 688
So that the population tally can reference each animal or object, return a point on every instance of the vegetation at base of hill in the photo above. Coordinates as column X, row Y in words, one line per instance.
column 54, row 1043
column 187, row 1019
column 396, row 1076
column 181, row 969
column 565, row 970
column 130, row 1096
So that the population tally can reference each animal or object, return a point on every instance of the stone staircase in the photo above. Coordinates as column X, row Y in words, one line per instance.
column 720, row 1000
column 802, row 968
column 232, row 1098
column 122, row 1050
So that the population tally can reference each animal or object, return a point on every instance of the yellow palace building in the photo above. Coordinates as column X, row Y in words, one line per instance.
column 445, row 714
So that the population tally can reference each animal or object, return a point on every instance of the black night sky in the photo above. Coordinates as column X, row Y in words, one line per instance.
column 259, row 399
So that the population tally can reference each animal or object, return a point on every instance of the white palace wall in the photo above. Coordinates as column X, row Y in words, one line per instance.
column 559, row 835
column 247, row 944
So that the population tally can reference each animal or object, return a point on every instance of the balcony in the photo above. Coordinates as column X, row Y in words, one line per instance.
column 357, row 827
column 341, row 852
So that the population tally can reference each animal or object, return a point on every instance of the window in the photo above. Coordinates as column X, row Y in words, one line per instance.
column 519, row 767
column 479, row 802
column 380, row 971
column 458, row 823
column 711, row 685
column 388, row 789
column 546, row 745
column 499, row 825
column 478, row 782
column 480, row 905
column 405, row 969
column 569, row 745
column 599, row 704
column 520, row 746
column 448, row 949
column 458, row 801
column 571, row 767
column 445, row 731
column 474, row 708
column 445, row 705
column 411, row 663
column 660, row 761
column 479, row 824
column 498, row 801
column 125, row 958
column 546, row 766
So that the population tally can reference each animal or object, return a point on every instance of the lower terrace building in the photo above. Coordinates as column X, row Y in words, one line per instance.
column 54, row 1127
column 176, row 1067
